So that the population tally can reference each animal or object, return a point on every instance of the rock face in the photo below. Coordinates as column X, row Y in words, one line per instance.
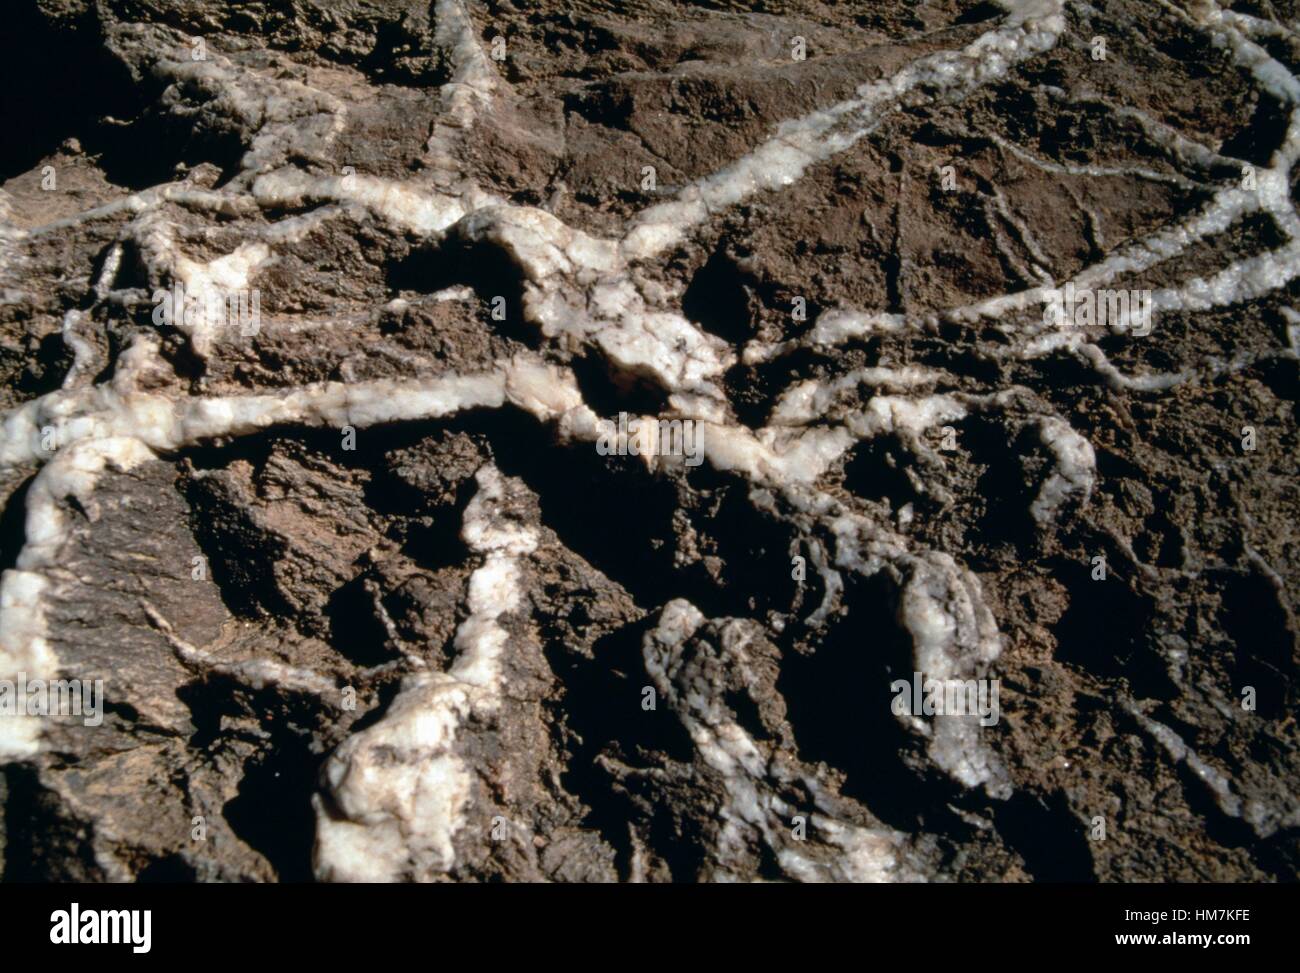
column 649, row 442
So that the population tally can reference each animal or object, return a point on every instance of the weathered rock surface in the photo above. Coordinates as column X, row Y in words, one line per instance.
column 370, row 599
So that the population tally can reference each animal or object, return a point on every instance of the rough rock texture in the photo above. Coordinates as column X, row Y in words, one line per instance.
column 371, row 600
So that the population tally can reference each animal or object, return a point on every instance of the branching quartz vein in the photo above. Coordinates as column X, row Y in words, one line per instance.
column 397, row 792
